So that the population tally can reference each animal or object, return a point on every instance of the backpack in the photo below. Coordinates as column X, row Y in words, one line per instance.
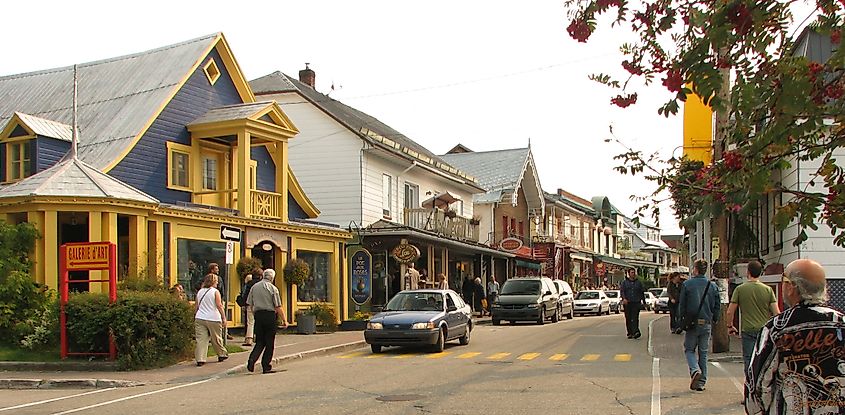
column 241, row 300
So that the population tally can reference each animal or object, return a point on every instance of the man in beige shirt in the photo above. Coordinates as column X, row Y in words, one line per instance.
column 412, row 278
column 267, row 307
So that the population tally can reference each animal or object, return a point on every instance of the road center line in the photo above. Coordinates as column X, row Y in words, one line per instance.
column 733, row 379
column 655, row 383
column 132, row 397
column 9, row 408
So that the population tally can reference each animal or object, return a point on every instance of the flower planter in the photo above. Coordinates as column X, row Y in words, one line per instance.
column 306, row 324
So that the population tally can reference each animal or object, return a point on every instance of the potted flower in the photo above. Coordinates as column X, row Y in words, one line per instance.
column 297, row 271
column 450, row 213
column 475, row 221
column 322, row 313
column 358, row 321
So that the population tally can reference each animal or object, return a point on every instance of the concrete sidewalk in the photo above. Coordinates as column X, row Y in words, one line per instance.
column 665, row 343
column 288, row 347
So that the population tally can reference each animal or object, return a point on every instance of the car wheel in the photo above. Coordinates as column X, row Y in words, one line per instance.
column 608, row 311
column 376, row 348
column 617, row 310
column 465, row 338
column 556, row 316
column 496, row 322
column 441, row 342
column 542, row 319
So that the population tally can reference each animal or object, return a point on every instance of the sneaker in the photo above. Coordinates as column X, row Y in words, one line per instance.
column 700, row 389
column 693, row 384
column 250, row 366
column 222, row 358
column 638, row 335
column 630, row 336
column 268, row 371
column 200, row 363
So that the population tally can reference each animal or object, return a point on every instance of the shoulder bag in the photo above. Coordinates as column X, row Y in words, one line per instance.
column 691, row 320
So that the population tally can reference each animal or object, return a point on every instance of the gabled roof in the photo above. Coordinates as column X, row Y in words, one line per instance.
column 364, row 125
column 232, row 112
column 501, row 172
column 74, row 178
column 118, row 97
column 38, row 126
column 573, row 201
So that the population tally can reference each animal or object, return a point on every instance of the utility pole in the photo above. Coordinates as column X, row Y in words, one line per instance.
column 720, row 268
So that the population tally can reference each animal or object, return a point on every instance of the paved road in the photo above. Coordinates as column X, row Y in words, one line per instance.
column 583, row 366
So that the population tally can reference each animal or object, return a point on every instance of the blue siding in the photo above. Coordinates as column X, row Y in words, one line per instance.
column 294, row 210
column 48, row 151
column 145, row 167
column 265, row 170
column 2, row 163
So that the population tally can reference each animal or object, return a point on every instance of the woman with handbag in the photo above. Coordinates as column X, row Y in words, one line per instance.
column 209, row 320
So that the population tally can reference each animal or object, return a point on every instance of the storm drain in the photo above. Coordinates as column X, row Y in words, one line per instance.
column 399, row 398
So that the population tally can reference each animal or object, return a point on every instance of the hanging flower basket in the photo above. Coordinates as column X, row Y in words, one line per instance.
column 450, row 213
column 297, row 272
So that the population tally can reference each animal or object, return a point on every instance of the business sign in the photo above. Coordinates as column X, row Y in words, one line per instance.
column 361, row 276
column 230, row 233
column 405, row 253
column 510, row 244
column 87, row 256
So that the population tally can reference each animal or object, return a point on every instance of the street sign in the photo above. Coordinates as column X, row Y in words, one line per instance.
column 230, row 252
column 230, row 233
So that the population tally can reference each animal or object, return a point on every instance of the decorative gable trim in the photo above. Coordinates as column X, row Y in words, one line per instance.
column 212, row 72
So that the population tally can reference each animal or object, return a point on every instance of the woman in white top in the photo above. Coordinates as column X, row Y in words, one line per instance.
column 442, row 284
column 209, row 321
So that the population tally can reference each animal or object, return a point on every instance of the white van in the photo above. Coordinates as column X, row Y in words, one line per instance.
column 565, row 298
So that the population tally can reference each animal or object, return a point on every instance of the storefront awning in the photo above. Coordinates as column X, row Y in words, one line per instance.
column 411, row 233
column 581, row 257
column 614, row 261
column 526, row 264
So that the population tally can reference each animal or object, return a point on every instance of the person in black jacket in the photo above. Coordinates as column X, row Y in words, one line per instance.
column 250, row 280
column 477, row 296
column 467, row 290
column 633, row 298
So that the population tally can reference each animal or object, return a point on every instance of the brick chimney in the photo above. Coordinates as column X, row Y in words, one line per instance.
column 307, row 76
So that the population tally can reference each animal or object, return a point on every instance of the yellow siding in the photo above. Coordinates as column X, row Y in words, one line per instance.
column 698, row 129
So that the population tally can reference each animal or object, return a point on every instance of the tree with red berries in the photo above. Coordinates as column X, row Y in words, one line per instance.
column 783, row 108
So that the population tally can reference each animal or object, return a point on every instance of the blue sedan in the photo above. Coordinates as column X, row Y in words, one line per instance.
column 420, row 318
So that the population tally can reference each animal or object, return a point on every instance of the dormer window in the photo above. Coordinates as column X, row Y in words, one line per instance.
column 18, row 160
column 211, row 71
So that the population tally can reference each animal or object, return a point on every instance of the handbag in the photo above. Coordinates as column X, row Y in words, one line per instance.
column 691, row 320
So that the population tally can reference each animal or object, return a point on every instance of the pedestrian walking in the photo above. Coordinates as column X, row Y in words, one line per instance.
column 478, row 296
column 442, row 283
column 267, row 306
column 250, row 280
column 178, row 291
column 633, row 298
column 209, row 321
column 492, row 293
column 467, row 290
column 699, row 302
column 674, row 291
column 412, row 277
column 797, row 366
column 757, row 304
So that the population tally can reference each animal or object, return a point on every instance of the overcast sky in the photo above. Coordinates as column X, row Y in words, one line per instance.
column 487, row 74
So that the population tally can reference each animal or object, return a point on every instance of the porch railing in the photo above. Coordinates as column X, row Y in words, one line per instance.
column 266, row 205
column 436, row 220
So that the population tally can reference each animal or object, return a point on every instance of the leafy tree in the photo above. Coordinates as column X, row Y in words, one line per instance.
column 780, row 109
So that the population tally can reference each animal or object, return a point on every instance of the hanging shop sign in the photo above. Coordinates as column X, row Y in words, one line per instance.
column 510, row 244
column 600, row 269
column 361, row 276
column 405, row 253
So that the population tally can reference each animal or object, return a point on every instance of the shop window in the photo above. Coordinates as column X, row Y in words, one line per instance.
column 18, row 160
column 316, row 288
column 192, row 258
column 179, row 166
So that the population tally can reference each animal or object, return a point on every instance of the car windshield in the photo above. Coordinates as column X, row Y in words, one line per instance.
column 524, row 287
column 611, row 294
column 415, row 301
column 588, row 295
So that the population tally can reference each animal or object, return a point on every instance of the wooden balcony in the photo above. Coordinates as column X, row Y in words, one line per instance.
column 436, row 220
column 263, row 205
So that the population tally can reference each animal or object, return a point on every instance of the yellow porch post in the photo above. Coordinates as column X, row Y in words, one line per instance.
column 282, row 177
column 51, row 249
column 95, row 234
column 37, row 220
column 156, row 254
column 244, row 197
column 137, row 244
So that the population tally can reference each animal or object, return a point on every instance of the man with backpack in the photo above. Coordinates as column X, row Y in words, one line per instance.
column 700, row 310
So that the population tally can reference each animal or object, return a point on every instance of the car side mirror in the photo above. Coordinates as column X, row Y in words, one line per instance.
column 451, row 308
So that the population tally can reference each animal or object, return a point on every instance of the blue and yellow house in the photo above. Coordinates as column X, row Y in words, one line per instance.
column 171, row 146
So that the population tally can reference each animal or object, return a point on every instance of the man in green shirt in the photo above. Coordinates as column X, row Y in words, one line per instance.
column 757, row 303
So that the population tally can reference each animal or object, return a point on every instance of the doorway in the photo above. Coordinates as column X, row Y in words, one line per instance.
column 74, row 228
column 266, row 252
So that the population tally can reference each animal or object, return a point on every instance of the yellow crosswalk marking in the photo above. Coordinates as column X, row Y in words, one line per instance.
column 528, row 356
column 498, row 356
column 559, row 356
column 469, row 355
column 405, row 355
column 438, row 355
column 590, row 357
column 622, row 358
column 350, row 355
column 375, row 356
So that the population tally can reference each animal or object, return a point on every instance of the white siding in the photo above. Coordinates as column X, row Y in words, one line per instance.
column 325, row 158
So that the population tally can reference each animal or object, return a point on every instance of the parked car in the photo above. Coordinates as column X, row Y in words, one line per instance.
column 656, row 291
column 526, row 299
column 592, row 301
column 615, row 298
column 420, row 318
column 565, row 298
column 650, row 300
column 662, row 305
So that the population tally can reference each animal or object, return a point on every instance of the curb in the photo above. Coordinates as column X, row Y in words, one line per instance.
column 303, row 355
column 66, row 383
column 59, row 366
column 729, row 357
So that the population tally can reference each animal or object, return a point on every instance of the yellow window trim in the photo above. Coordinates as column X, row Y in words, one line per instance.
column 212, row 72
column 218, row 156
column 181, row 149
column 23, row 175
column 253, row 170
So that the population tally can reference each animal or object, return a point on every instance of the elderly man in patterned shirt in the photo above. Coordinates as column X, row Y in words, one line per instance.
column 798, row 366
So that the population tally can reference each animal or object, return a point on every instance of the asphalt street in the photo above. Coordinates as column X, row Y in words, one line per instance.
column 582, row 366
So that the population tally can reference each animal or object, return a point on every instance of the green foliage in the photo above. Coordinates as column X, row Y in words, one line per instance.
column 22, row 305
column 325, row 315
column 775, row 107
column 44, row 325
column 361, row 316
column 151, row 329
column 141, row 282
column 247, row 264
column 297, row 271
column 16, row 242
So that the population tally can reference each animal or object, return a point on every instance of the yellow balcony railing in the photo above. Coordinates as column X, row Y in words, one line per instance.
column 266, row 205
